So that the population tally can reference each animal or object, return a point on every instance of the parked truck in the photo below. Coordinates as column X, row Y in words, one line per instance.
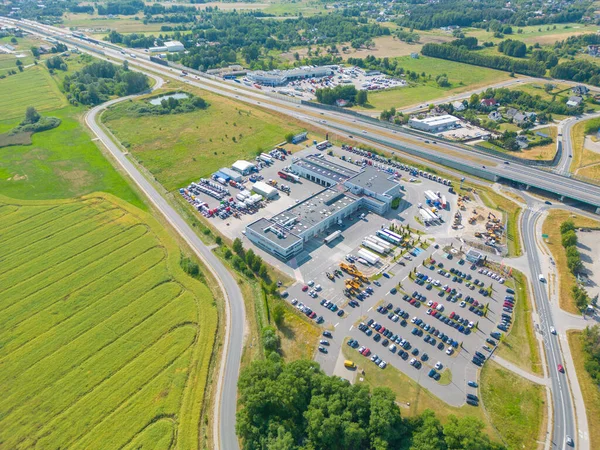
column 371, row 245
column 368, row 256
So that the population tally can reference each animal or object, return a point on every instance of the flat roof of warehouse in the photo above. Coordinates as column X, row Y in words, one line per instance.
column 303, row 216
column 327, row 168
column 269, row 230
column 374, row 180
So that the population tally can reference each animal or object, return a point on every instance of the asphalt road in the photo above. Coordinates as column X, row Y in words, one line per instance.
column 225, row 437
column 564, row 417
column 563, row 410
column 493, row 166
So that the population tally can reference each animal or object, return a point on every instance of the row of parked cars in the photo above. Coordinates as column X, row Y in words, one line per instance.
column 307, row 311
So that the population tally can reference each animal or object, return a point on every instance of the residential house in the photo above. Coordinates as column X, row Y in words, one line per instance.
column 519, row 118
column 574, row 101
column 495, row 116
column 458, row 106
column 580, row 90
column 510, row 113
column 488, row 102
column 522, row 141
column 414, row 55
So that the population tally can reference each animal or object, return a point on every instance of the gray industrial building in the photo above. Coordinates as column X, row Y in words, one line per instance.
column 345, row 191
column 280, row 77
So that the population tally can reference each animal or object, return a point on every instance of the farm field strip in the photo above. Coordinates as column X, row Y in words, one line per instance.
column 33, row 87
column 20, row 217
column 77, row 218
column 63, row 244
column 58, row 324
column 41, row 281
column 43, row 297
column 96, row 349
column 106, row 349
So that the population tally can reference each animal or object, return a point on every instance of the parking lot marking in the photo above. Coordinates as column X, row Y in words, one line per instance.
column 335, row 326
column 351, row 328
column 369, row 309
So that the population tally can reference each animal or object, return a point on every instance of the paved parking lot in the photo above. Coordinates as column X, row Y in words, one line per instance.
column 428, row 337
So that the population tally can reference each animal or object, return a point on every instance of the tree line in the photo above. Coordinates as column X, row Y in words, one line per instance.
column 97, row 82
column 453, row 53
column 579, row 70
column 295, row 406
column 348, row 93
column 590, row 339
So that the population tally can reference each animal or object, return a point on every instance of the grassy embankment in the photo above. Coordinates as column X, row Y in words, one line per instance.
column 586, row 162
column 501, row 392
column 589, row 389
column 566, row 280
column 106, row 341
column 520, row 346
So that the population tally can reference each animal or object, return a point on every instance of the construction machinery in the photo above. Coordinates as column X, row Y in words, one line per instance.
column 331, row 277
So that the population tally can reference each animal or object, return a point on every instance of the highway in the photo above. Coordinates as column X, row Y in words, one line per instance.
column 563, row 413
column 344, row 125
column 226, row 392
column 479, row 163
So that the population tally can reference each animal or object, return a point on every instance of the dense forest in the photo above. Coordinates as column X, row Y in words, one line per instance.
column 296, row 406
column 581, row 71
column 490, row 14
column 98, row 81
column 453, row 53
column 253, row 38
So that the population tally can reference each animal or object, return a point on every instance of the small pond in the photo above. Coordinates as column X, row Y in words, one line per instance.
column 178, row 96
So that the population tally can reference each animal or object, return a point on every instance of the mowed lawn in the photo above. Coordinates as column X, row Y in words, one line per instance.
column 516, row 407
column 32, row 87
column 104, row 341
column 462, row 77
column 182, row 148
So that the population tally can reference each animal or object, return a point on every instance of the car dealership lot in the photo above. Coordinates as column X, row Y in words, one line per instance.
column 407, row 322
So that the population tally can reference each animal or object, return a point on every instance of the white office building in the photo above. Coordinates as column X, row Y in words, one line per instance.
column 435, row 124
column 280, row 77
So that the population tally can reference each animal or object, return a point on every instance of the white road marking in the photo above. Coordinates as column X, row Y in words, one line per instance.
column 350, row 329
column 369, row 309
column 336, row 325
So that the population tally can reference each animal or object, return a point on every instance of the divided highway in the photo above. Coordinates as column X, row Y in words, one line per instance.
column 479, row 163
column 563, row 413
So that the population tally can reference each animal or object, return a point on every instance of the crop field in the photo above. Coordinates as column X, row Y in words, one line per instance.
column 462, row 77
column 542, row 34
column 182, row 148
column 32, row 87
column 104, row 341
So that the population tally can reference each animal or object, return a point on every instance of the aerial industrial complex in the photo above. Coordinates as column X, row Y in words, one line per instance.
column 346, row 190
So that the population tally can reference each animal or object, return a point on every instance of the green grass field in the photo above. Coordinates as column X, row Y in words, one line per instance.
column 32, row 87
column 520, row 346
column 462, row 77
column 516, row 406
column 60, row 163
column 104, row 341
column 181, row 148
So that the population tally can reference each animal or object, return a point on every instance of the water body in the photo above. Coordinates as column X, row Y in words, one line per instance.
column 178, row 96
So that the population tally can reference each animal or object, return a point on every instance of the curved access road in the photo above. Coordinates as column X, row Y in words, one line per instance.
column 565, row 127
column 226, row 390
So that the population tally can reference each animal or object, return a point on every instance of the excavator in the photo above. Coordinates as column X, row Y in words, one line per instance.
column 331, row 277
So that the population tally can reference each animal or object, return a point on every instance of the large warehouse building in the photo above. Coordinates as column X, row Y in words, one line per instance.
column 345, row 191
column 434, row 124
column 280, row 77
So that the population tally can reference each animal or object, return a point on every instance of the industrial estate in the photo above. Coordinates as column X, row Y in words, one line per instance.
column 300, row 225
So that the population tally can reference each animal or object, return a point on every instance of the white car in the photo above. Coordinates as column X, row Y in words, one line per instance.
column 392, row 348
column 449, row 351
column 318, row 287
column 552, row 330
column 471, row 325
column 438, row 365
column 311, row 283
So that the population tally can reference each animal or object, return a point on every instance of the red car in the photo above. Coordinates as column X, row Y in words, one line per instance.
column 381, row 330
column 366, row 352
column 412, row 301
column 452, row 315
column 561, row 369
column 305, row 288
